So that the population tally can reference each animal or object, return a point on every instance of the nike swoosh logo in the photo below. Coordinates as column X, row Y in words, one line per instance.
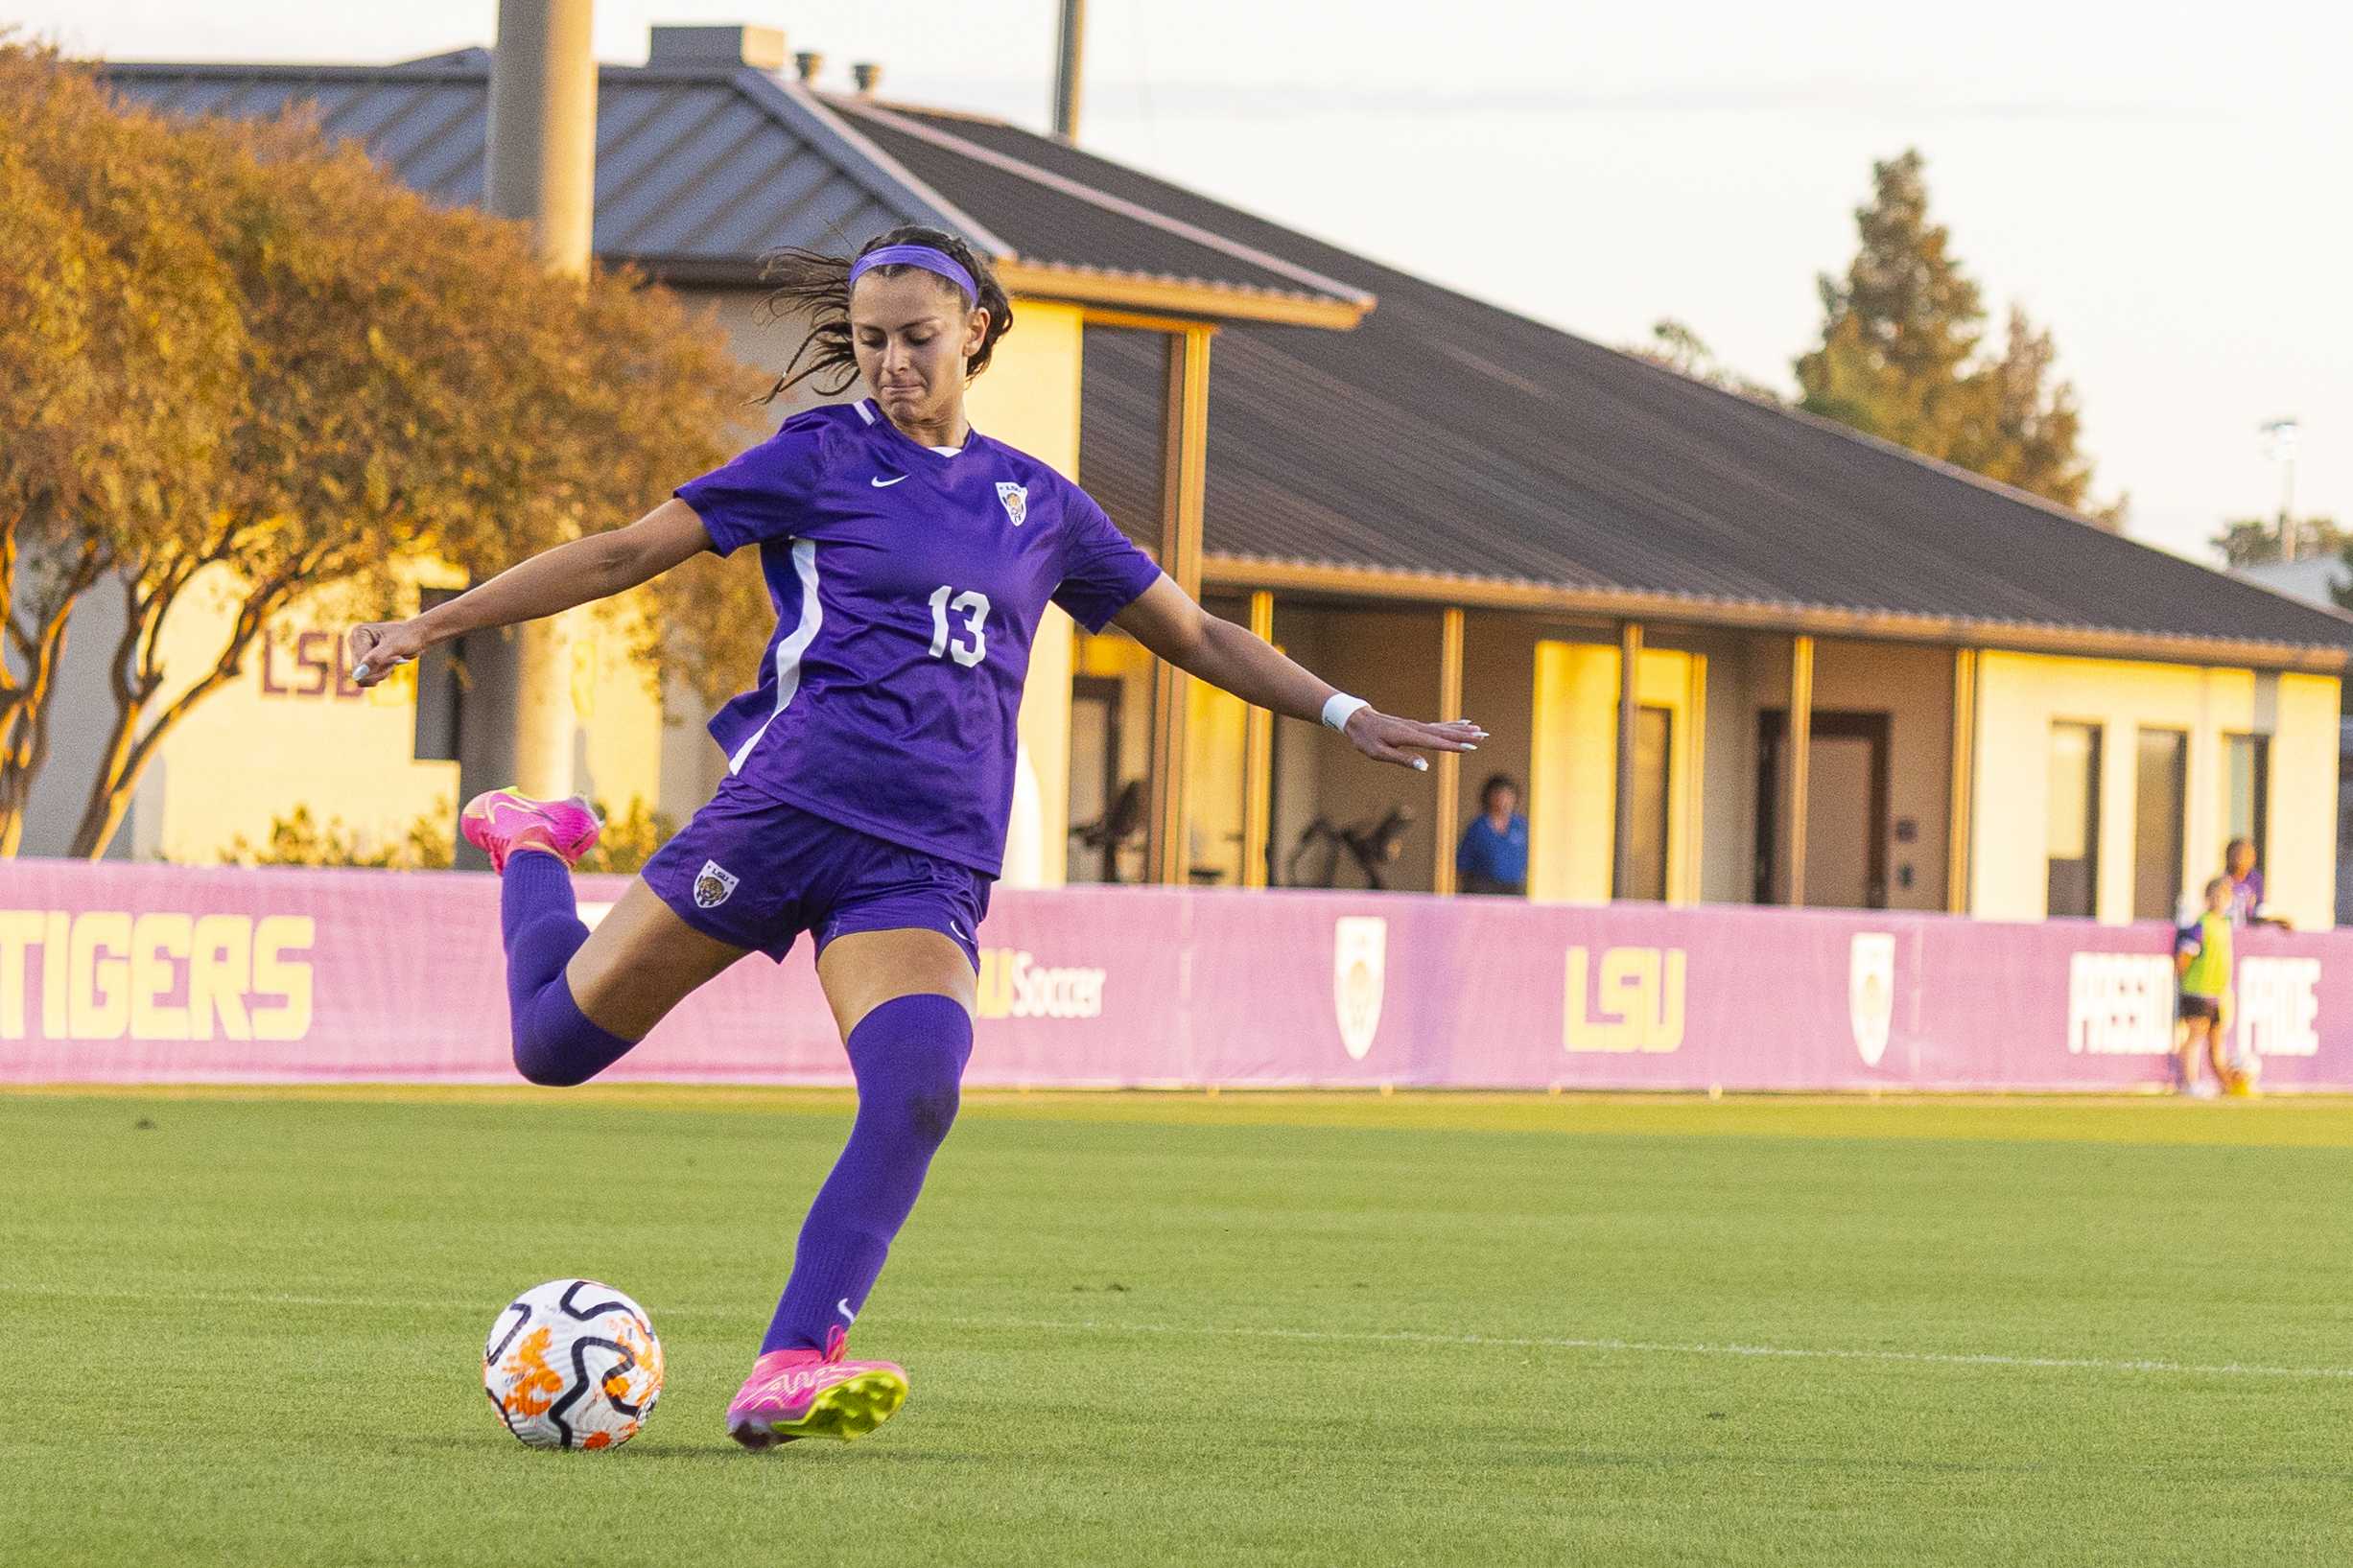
column 844, row 1305
column 884, row 484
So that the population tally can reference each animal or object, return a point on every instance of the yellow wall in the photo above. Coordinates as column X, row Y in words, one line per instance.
column 285, row 733
column 1216, row 725
column 2300, row 870
column 616, row 750
column 2021, row 695
column 1573, row 768
column 1028, row 398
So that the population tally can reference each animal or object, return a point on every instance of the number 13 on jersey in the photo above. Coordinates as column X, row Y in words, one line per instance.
column 974, row 607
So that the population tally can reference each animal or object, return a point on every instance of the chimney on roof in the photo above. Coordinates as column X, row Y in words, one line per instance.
column 869, row 77
column 762, row 48
column 809, row 62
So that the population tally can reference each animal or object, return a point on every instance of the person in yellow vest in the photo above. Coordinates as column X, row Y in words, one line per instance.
column 2202, row 956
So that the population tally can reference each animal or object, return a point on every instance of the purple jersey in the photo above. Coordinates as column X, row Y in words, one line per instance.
column 2247, row 898
column 907, row 585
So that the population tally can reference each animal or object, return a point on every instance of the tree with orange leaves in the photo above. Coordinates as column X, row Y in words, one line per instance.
column 252, row 365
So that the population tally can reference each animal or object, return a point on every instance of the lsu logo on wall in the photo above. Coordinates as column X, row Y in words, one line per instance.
column 2278, row 1007
column 1359, row 975
column 1014, row 985
column 2120, row 1004
column 1634, row 1002
column 1870, row 993
column 103, row 975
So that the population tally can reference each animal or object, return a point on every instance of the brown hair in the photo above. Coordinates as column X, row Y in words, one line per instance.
column 812, row 284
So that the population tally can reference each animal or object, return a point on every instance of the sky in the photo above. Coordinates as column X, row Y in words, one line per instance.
column 2162, row 186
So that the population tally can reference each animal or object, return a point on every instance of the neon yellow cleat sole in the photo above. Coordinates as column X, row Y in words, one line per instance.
column 847, row 1410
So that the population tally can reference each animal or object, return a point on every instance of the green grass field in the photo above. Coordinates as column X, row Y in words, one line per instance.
column 245, row 1328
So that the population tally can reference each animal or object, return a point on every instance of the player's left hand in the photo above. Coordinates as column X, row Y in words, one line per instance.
column 1387, row 739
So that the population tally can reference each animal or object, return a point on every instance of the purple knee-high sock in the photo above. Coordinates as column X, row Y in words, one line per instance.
column 554, row 1041
column 908, row 1058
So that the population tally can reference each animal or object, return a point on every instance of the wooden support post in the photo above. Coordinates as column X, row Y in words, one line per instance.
column 1629, row 710
column 1449, row 764
column 1184, row 471
column 1961, row 823
column 1800, row 760
column 1258, row 759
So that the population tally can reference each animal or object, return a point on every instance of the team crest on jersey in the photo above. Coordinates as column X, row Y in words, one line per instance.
column 712, row 885
column 1016, row 498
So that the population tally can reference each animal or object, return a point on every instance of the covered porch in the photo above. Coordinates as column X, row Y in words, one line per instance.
column 1859, row 763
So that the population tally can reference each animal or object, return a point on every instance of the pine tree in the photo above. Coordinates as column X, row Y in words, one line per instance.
column 1902, row 355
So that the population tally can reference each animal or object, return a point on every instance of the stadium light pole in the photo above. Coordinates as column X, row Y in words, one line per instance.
column 1067, row 61
column 542, row 171
column 2282, row 433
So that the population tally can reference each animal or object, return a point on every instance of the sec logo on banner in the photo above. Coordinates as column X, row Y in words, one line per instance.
column 1870, row 993
column 1359, row 953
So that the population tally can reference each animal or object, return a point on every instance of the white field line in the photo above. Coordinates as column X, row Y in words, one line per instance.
column 1332, row 1336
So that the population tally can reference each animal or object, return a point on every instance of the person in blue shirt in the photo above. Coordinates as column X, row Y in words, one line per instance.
column 1492, row 856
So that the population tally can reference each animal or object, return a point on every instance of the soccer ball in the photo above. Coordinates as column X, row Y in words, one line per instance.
column 572, row 1364
column 2246, row 1073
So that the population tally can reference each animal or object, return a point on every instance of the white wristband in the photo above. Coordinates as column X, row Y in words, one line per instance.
column 1340, row 709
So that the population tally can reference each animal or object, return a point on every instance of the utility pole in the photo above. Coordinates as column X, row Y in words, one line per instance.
column 1066, row 69
column 2282, row 433
column 542, row 170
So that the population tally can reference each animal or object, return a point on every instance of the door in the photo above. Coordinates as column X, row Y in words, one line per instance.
column 1847, row 810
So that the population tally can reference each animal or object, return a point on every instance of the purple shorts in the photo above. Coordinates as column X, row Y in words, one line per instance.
column 756, row 873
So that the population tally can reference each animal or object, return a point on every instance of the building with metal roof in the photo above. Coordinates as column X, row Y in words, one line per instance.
column 1732, row 651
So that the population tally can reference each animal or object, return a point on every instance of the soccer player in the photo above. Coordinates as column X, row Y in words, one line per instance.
column 870, row 771
column 2247, row 902
column 2202, row 957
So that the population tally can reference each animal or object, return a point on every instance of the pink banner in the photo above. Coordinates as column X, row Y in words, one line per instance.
column 160, row 974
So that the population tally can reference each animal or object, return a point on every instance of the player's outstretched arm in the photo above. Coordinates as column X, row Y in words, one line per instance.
column 1167, row 621
column 548, row 583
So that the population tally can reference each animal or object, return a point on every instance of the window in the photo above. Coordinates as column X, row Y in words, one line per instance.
column 2160, row 781
column 1653, row 736
column 2075, row 820
column 2246, row 798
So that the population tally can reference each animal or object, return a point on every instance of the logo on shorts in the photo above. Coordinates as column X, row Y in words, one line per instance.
column 1870, row 993
column 1016, row 498
column 1359, row 952
column 712, row 885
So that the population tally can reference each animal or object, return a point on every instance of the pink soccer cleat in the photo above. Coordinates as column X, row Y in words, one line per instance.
column 810, row 1393
column 502, row 821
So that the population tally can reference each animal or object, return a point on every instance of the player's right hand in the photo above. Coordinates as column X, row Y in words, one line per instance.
column 1385, row 737
column 380, row 646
